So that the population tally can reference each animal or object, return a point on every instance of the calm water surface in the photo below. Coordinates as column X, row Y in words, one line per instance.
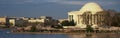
column 4, row 34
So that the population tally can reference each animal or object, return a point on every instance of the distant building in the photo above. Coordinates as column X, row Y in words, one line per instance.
column 42, row 19
column 14, row 22
column 20, row 21
column 24, row 18
column 45, row 20
column 35, row 20
column 89, row 14
column 5, row 20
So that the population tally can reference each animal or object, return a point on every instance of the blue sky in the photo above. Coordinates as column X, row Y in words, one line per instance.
column 55, row 8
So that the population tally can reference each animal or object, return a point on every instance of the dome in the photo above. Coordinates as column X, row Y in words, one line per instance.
column 92, row 7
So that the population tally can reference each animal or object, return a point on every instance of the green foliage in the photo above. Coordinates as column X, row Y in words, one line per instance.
column 68, row 23
column 10, row 23
column 57, row 26
column 33, row 29
column 89, row 28
column 19, row 25
column 65, row 23
column 72, row 23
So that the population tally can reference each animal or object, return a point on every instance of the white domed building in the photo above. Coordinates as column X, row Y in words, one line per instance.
column 89, row 14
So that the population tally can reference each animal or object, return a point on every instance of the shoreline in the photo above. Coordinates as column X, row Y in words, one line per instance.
column 43, row 33
column 4, row 28
column 56, row 33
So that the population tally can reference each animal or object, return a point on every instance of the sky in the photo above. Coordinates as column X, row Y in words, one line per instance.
column 57, row 9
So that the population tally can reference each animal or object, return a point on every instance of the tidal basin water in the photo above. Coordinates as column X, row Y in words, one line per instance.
column 6, row 34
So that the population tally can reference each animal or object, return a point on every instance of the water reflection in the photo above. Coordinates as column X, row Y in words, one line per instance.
column 96, row 35
column 3, row 34
column 89, row 36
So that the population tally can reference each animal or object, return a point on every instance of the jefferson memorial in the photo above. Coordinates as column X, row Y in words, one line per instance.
column 90, row 14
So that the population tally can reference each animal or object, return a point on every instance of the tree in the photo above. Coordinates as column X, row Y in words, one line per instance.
column 68, row 23
column 116, row 21
column 72, row 23
column 89, row 28
column 113, row 18
column 57, row 26
column 33, row 29
column 65, row 23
